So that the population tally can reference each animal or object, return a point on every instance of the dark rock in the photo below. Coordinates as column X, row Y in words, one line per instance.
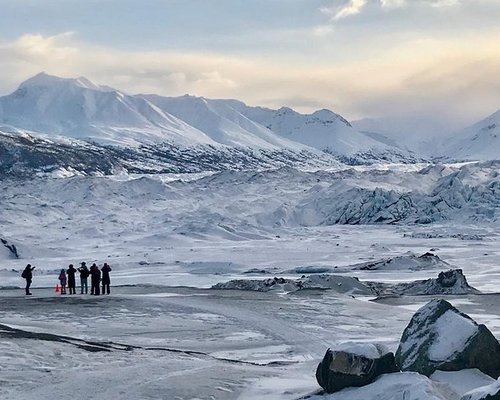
column 344, row 368
column 441, row 337
column 12, row 248
column 452, row 282
column 447, row 283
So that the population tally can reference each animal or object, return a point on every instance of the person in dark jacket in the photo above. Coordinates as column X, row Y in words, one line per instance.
column 95, row 273
column 63, row 281
column 84, row 274
column 71, row 279
column 106, row 281
column 28, row 275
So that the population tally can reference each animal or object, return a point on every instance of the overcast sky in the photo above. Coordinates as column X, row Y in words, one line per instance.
column 411, row 60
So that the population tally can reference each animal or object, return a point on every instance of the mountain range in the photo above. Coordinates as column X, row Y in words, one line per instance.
column 169, row 133
column 57, row 124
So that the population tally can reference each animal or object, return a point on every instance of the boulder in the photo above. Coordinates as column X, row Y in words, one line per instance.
column 447, row 282
column 439, row 337
column 353, row 365
column 490, row 392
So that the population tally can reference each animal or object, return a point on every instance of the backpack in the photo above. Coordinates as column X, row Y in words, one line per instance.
column 24, row 274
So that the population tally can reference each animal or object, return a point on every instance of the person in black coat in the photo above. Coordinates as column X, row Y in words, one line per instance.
column 71, row 279
column 106, row 281
column 95, row 274
column 84, row 274
column 28, row 275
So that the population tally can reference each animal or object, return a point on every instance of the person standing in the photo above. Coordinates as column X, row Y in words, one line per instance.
column 95, row 273
column 92, row 279
column 71, row 279
column 106, row 281
column 63, row 281
column 84, row 274
column 28, row 275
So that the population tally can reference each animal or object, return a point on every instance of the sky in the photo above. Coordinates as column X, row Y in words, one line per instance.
column 431, row 64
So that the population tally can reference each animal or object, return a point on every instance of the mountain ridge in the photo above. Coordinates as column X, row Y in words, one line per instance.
column 50, row 110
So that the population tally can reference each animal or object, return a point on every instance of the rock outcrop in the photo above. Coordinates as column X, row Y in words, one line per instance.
column 353, row 365
column 447, row 283
column 407, row 262
column 439, row 337
column 11, row 247
column 338, row 283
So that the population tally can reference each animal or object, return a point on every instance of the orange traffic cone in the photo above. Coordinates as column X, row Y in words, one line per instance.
column 57, row 288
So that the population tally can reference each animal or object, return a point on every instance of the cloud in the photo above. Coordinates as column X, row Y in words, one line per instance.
column 352, row 7
column 443, row 3
column 392, row 3
column 355, row 7
column 453, row 78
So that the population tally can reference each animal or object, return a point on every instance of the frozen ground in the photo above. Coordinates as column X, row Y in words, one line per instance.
column 169, row 335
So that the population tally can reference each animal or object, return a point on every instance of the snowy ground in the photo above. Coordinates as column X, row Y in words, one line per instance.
column 192, row 342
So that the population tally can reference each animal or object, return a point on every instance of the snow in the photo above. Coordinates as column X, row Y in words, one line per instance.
column 405, row 385
column 170, row 237
column 367, row 350
column 463, row 381
column 408, row 261
column 324, row 130
column 483, row 392
column 453, row 331
column 78, row 108
column 222, row 123
column 480, row 141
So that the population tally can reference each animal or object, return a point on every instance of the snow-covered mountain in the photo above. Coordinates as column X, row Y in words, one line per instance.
column 222, row 122
column 81, row 109
column 481, row 141
column 327, row 131
column 233, row 122
column 418, row 136
column 323, row 129
column 48, row 115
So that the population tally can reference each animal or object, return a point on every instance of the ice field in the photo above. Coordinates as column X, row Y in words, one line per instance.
column 164, row 333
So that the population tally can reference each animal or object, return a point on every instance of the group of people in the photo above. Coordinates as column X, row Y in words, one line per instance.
column 67, row 278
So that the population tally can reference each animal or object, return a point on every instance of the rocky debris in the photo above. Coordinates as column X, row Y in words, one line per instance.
column 452, row 282
column 12, row 248
column 490, row 392
column 260, row 271
column 409, row 261
column 439, row 337
column 341, row 284
column 353, row 365
column 438, row 235
column 25, row 154
column 258, row 285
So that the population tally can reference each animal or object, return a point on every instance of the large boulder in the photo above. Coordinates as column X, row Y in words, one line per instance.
column 439, row 337
column 353, row 365
column 490, row 392
column 447, row 282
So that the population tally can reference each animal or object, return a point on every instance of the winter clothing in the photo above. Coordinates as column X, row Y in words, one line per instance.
column 71, row 279
column 106, row 281
column 63, row 280
column 95, row 274
column 28, row 275
column 84, row 274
